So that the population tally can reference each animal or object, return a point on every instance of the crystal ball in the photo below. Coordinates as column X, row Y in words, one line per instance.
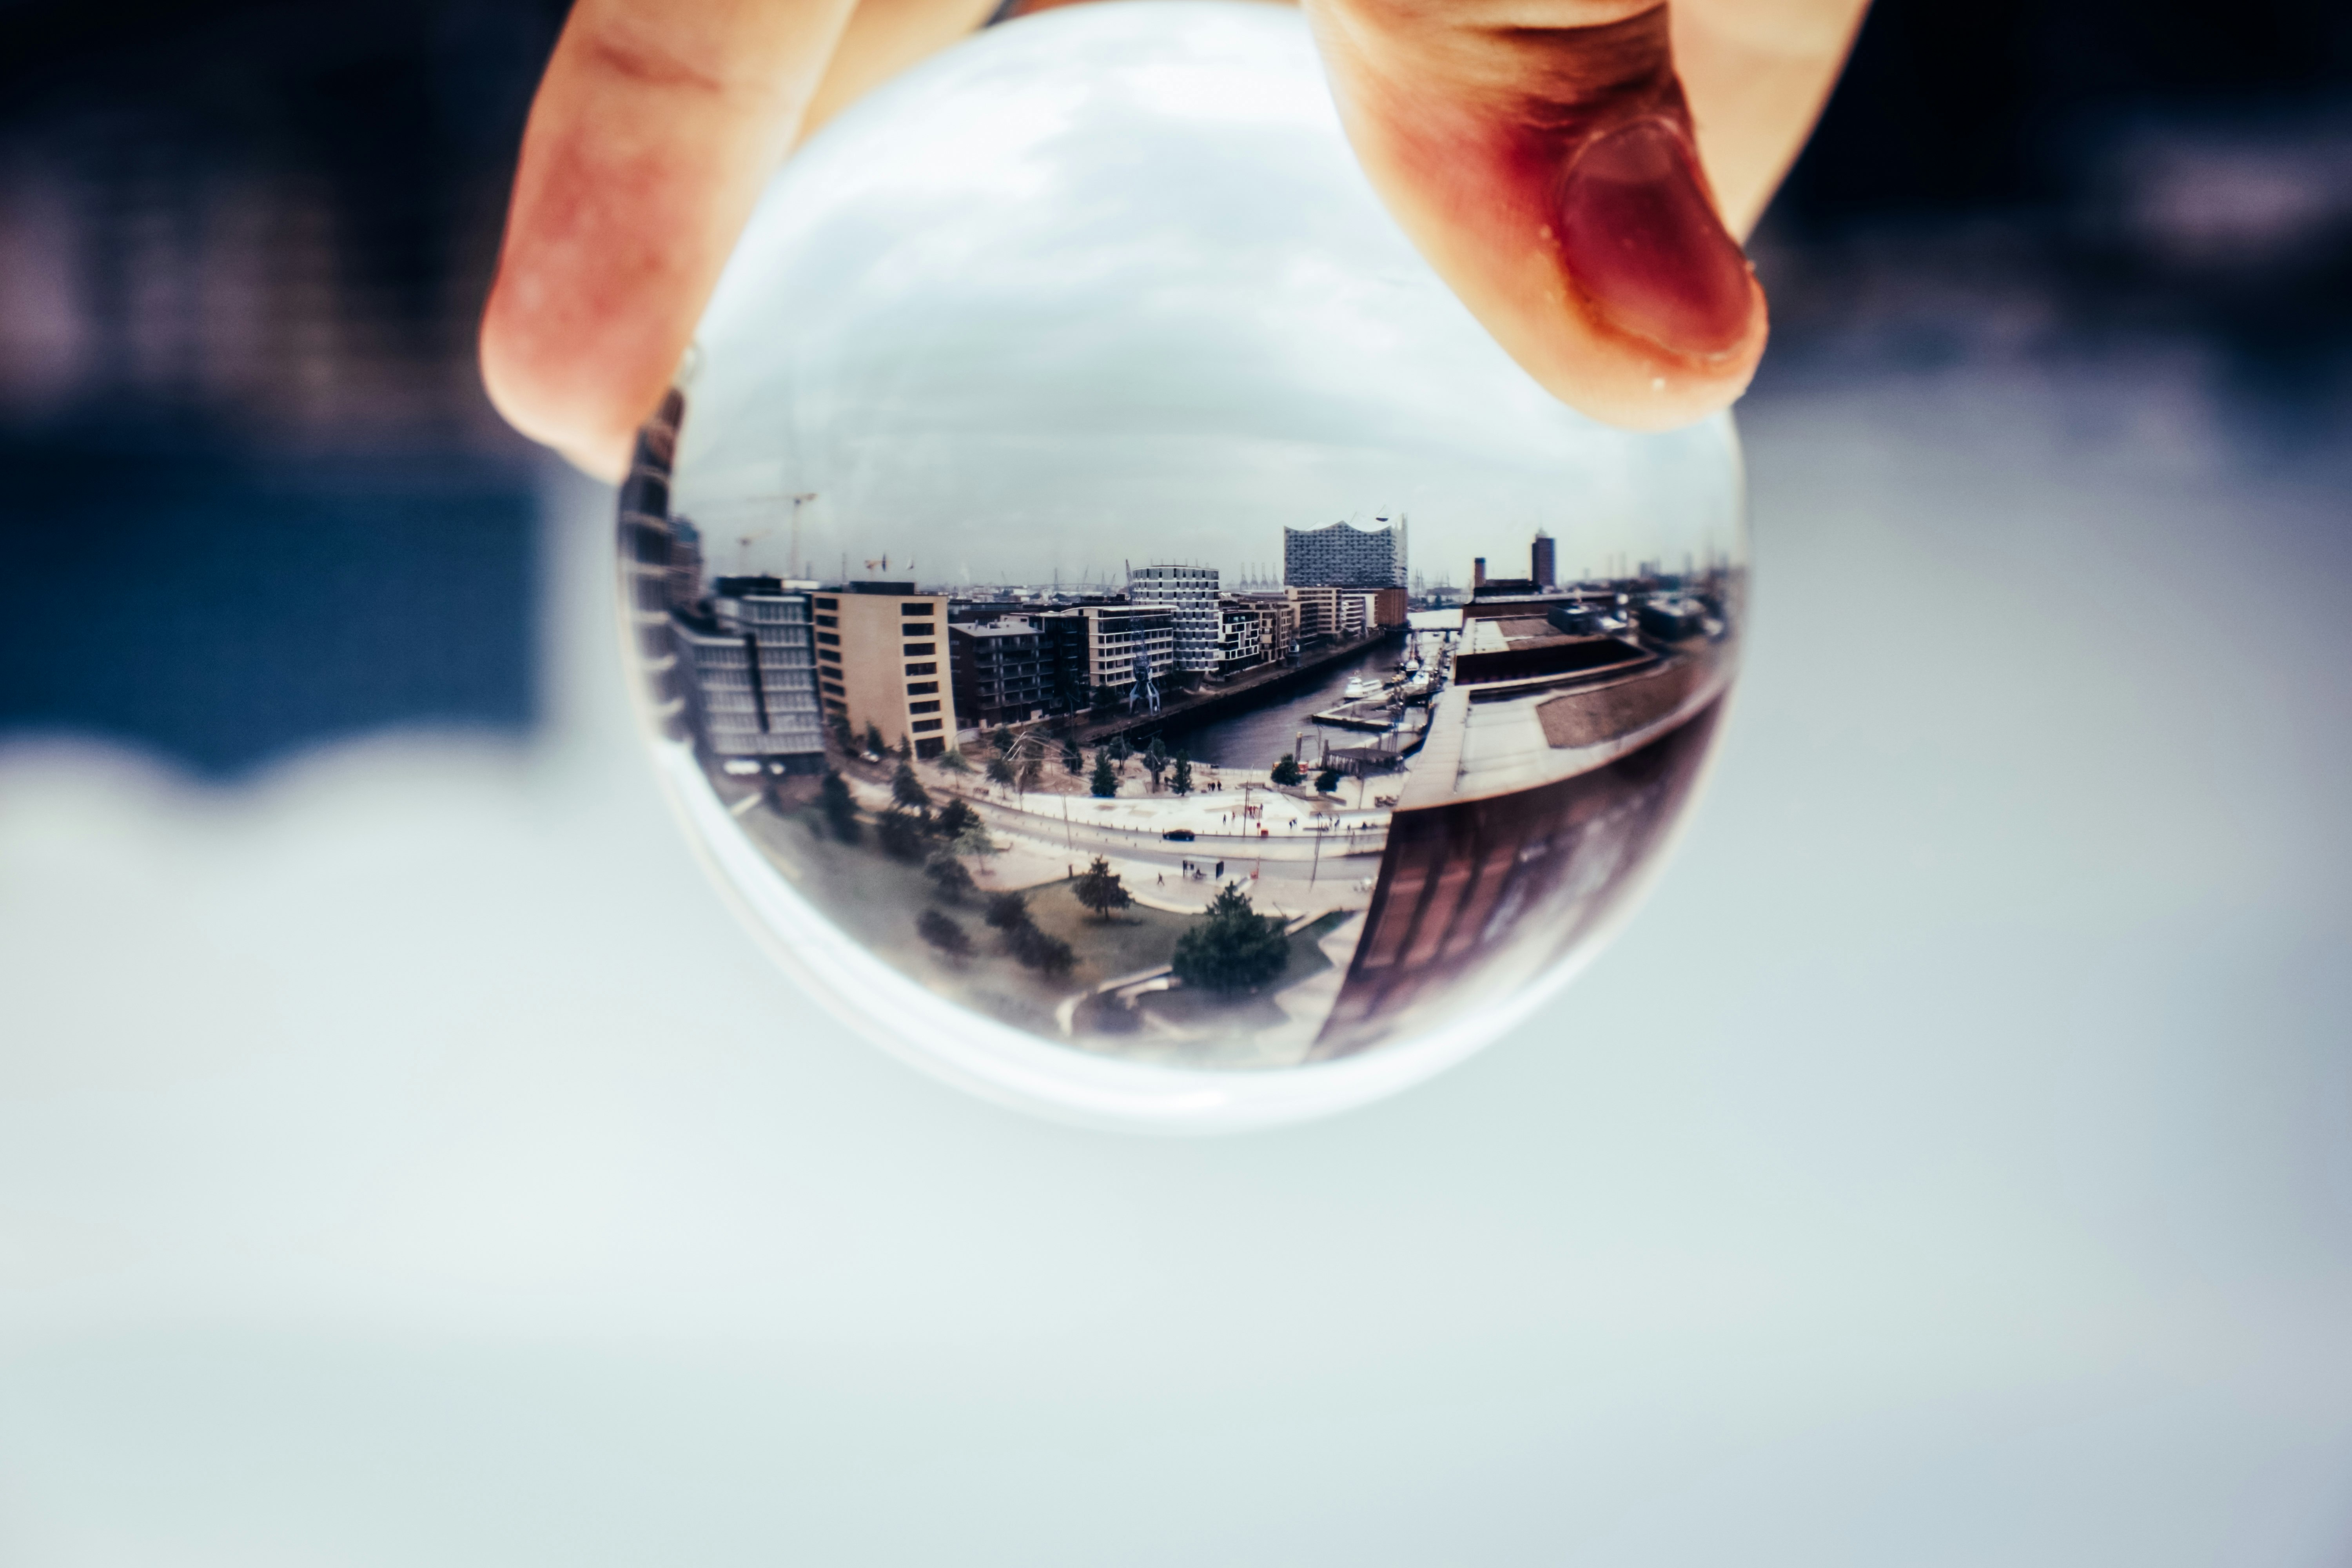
column 1120, row 630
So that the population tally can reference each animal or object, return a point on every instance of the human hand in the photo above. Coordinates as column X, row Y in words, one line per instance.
column 1575, row 170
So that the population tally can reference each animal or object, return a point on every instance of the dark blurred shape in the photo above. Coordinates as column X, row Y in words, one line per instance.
column 258, row 499
column 2024, row 178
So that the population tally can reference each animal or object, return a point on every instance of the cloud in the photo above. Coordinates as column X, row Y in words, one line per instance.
column 1107, row 284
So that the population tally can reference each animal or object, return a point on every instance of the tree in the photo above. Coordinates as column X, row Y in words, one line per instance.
column 1236, row 949
column 1037, row 951
column 1001, row 738
column 1073, row 759
column 1182, row 783
column 908, row 790
column 1286, row 772
column 874, row 739
column 999, row 770
column 1119, row 751
column 901, row 833
column 1155, row 762
column 1006, row 910
column 953, row 760
column 974, row 840
column 1033, row 772
column 843, row 736
column 953, row 819
column 1100, row 889
column 1106, row 697
column 905, row 748
column 951, row 939
column 1327, row 782
column 840, row 806
column 951, row 881
column 1105, row 782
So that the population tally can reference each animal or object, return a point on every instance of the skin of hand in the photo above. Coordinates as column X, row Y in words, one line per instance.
column 1576, row 171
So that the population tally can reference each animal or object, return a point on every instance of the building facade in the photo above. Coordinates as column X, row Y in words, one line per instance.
column 1096, row 645
column 1241, row 638
column 881, row 654
column 1342, row 555
column 1191, row 594
column 685, row 564
column 1001, row 670
column 1543, row 560
column 749, row 671
column 1317, row 610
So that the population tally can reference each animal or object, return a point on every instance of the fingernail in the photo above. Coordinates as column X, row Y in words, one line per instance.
column 1640, row 239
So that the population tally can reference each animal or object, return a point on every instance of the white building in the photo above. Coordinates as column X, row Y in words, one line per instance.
column 1191, row 593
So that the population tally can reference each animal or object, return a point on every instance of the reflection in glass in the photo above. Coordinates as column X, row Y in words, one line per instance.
column 1116, row 622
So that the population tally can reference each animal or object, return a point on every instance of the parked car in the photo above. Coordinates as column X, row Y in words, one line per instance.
column 1180, row 834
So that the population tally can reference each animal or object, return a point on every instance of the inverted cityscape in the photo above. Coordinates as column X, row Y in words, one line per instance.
column 1186, row 820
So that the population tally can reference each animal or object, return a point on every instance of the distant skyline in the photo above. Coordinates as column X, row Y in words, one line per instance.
column 1063, row 300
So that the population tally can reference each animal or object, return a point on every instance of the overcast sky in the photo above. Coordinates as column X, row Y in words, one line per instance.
column 1106, row 285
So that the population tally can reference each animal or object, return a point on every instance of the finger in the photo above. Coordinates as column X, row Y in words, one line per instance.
column 655, row 126
column 1757, row 73
column 1540, row 154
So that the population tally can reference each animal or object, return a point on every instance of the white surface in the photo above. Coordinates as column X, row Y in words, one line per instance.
column 408, row 1161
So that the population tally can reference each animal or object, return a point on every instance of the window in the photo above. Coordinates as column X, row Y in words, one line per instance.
column 828, row 640
column 922, row 707
column 922, row 687
column 923, row 725
column 829, row 656
column 918, row 607
column 828, row 604
column 836, row 706
column 922, row 669
column 828, row 620
column 919, row 629
column 835, row 691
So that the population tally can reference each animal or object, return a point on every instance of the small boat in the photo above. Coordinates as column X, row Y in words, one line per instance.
column 1359, row 687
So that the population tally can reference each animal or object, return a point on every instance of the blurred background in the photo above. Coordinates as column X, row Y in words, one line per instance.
column 402, row 1158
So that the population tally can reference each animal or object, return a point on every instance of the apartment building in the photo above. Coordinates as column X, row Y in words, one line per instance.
column 1094, row 645
column 1191, row 594
column 1001, row 670
column 881, row 655
column 750, row 674
column 1241, row 638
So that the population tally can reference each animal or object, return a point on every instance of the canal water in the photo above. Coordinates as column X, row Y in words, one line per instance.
column 1258, row 737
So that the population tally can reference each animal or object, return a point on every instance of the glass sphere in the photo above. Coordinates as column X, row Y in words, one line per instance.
column 1119, row 628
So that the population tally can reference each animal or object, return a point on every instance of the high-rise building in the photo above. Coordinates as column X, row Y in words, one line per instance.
column 1342, row 555
column 881, row 658
column 1318, row 612
column 685, row 564
column 752, row 673
column 1240, row 637
column 1191, row 592
column 1543, row 563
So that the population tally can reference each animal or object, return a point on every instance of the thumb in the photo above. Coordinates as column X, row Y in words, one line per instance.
column 1539, row 153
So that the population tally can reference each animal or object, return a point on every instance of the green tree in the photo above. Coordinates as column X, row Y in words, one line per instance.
column 1105, row 782
column 953, row 818
column 908, row 790
column 901, row 833
column 1002, row 739
column 1327, row 782
column 1073, row 759
column 905, row 748
column 1119, row 751
column 974, row 840
column 1106, row 697
column 843, row 736
column 1100, row 889
column 1181, row 781
column 1037, row 951
column 953, row 760
column 840, row 806
column 952, row 941
column 950, row 881
column 1006, row 910
column 1236, row 949
column 874, row 739
column 1000, row 768
column 1155, row 762
column 1033, row 772
column 1286, row 772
